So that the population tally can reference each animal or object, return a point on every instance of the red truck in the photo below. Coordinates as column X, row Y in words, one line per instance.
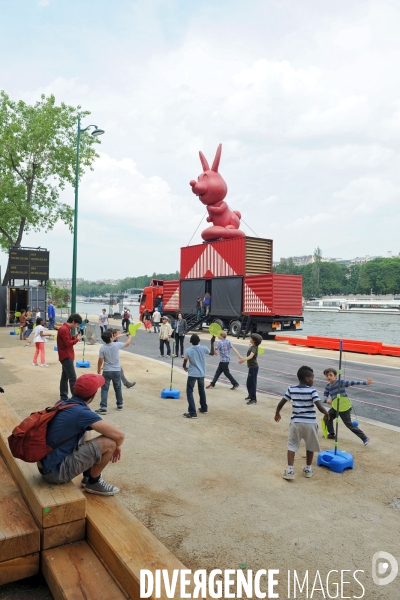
column 245, row 295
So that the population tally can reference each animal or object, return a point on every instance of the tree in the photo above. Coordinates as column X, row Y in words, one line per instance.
column 37, row 160
column 60, row 296
column 316, row 271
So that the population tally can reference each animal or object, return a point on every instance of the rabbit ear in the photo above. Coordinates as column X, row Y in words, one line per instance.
column 217, row 159
column 204, row 162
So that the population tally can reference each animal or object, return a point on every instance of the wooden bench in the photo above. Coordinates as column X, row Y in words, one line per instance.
column 19, row 535
column 125, row 545
column 59, row 510
column 74, row 572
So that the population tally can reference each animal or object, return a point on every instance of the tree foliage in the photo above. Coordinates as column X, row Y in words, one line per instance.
column 91, row 288
column 60, row 296
column 381, row 275
column 37, row 161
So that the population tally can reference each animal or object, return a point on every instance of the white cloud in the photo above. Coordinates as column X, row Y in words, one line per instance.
column 304, row 101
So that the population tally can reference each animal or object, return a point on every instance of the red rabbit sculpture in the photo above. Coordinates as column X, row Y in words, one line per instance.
column 212, row 189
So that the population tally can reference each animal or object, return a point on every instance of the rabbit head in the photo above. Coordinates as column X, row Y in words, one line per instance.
column 210, row 187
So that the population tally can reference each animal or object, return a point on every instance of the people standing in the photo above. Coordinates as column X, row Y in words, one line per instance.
column 126, row 320
column 196, row 355
column 128, row 384
column 22, row 324
column 146, row 320
column 66, row 355
column 109, row 362
column 27, row 333
column 103, row 321
column 181, row 328
column 156, row 320
column 38, row 313
column 165, row 336
column 39, row 340
column 251, row 359
column 207, row 304
column 51, row 315
column 199, row 307
column 224, row 347
column 303, row 424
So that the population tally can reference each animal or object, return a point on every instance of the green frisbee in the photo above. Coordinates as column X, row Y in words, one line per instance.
column 215, row 329
column 133, row 328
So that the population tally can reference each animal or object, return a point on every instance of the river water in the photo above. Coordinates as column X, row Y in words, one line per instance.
column 379, row 328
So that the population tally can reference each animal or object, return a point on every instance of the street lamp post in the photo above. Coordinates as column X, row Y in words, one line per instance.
column 95, row 133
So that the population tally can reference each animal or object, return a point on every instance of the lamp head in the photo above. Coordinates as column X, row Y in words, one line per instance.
column 97, row 132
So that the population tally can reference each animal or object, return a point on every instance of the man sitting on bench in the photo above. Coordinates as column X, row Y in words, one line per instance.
column 78, row 453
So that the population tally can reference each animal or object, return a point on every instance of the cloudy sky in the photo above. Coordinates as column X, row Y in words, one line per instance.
column 304, row 96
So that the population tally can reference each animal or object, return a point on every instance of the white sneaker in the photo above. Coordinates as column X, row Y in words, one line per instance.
column 308, row 471
column 44, row 365
column 34, row 364
column 287, row 475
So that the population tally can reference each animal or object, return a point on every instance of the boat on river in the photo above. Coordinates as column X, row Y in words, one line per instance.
column 353, row 305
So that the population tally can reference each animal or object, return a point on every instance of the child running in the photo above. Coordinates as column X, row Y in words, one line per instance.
column 39, row 340
column 332, row 390
column 251, row 358
column 224, row 347
column 28, row 331
column 303, row 424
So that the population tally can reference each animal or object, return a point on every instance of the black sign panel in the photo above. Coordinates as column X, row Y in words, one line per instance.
column 29, row 264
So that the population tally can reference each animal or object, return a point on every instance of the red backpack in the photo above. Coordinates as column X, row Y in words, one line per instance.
column 28, row 439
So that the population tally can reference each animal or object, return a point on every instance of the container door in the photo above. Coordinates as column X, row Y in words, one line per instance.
column 3, row 306
column 190, row 291
column 226, row 296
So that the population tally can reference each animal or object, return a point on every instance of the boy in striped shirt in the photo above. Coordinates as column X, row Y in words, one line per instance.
column 303, row 424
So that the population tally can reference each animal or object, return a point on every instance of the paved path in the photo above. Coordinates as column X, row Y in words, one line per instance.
column 380, row 401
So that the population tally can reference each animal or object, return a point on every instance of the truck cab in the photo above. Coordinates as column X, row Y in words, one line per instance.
column 151, row 297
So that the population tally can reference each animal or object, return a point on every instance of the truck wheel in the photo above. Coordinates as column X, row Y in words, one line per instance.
column 235, row 328
column 219, row 322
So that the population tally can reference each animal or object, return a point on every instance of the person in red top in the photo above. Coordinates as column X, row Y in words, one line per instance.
column 66, row 354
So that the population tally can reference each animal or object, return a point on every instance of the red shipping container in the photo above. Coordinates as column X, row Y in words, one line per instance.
column 226, row 258
column 171, row 295
column 272, row 294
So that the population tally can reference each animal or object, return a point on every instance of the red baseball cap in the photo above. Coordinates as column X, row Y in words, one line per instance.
column 87, row 385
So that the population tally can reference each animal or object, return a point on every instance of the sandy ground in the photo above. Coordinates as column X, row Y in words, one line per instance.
column 211, row 489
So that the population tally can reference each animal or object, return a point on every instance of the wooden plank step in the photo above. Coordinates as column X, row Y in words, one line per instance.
column 51, row 505
column 19, row 568
column 73, row 572
column 125, row 545
column 19, row 534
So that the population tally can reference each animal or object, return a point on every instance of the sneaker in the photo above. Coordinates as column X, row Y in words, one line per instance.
column 129, row 385
column 189, row 416
column 120, row 407
column 252, row 402
column 308, row 471
column 331, row 436
column 210, row 387
column 235, row 387
column 45, row 365
column 247, row 398
column 287, row 475
column 101, row 488
column 101, row 411
column 161, row 355
column 34, row 364
column 84, row 481
column 366, row 441
column 203, row 411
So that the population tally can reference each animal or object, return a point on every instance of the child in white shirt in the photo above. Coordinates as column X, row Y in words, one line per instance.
column 38, row 338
